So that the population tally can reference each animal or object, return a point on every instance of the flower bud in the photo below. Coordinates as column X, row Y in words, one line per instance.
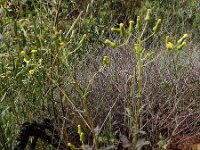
column 79, row 129
column 131, row 26
column 40, row 61
column 54, row 29
column 34, row 51
column 60, row 31
column 147, row 18
column 117, row 30
column 72, row 34
column 167, row 39
column 22, row 53
column 181, row 46
column 82, row 137
column 112, row 44
column 72, row 147
column 41, row 38
column 122, row 29
column 182, row 38
column 156, row 28
column 138, row 26
column 83, row 39
column 106, row 61
column 26, row 61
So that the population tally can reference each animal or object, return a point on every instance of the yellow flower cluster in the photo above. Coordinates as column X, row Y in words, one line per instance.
column 169, row 45
column 31, row 72
column 181, row 43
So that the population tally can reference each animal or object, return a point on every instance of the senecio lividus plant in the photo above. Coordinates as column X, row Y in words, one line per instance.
column 134, row 37
column 68, row 55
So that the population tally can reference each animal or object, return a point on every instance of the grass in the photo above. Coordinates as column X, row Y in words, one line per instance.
column 54, row 64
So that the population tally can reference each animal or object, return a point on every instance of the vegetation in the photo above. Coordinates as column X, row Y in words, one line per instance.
column 99, row 74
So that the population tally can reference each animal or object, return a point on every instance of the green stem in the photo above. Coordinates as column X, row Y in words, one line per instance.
column 78, row 89
column 148, row 37
column 69, row 99
column 92, row 79
column 143, row 31
column 139, row 99
column 155, row 58
column 132, row 89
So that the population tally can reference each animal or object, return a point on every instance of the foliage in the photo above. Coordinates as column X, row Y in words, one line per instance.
column 184, row 14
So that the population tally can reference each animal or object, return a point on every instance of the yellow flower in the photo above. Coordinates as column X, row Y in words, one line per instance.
column 121, row 25
column 106, row 61
column 31, row 72
column 159, row 21
column 62, row 44
column 169, row 45
column 22, row 53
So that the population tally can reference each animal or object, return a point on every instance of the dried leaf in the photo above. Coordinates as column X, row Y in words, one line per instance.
column 124, row 140
column 141, row 143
